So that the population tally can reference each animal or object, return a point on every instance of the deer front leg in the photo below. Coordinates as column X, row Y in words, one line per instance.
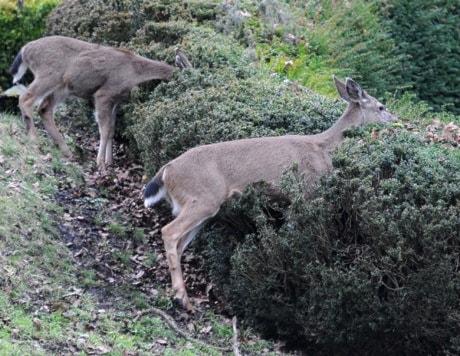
column 105, row 117
column 26, row 105
column 46, row 112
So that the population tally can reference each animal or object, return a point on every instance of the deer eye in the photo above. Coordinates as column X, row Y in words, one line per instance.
column 381, row 108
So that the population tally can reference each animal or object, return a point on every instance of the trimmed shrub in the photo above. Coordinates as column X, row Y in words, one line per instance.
column 107, row 22
column 370, row 264
column 115, row 22
column 225, row 99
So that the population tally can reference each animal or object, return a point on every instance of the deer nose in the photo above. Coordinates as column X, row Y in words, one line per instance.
column 389, row 117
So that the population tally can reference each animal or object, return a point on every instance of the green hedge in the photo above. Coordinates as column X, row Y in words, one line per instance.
column 370, row 264
column 19, row 26
column 118, row 23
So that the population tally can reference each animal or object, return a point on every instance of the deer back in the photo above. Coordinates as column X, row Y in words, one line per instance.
column 225, row 168
column 84, row 67
column 50, row 56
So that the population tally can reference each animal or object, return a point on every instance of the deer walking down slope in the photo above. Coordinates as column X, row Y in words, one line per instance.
column 64, row 67
column 197, row 182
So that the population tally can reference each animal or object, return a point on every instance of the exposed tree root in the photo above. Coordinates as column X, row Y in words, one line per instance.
column 173, row 325
column 235, row 343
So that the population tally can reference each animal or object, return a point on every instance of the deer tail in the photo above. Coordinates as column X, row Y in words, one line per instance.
column 18, row 68
column 155, row 190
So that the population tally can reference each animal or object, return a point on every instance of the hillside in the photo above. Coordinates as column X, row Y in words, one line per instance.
column 83, row 266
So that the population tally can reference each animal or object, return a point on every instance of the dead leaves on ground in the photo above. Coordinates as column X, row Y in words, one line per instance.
column 108, row 230
column 439, row 132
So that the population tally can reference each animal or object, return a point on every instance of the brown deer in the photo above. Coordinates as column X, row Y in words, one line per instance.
column 64, row 67
column 197, row 182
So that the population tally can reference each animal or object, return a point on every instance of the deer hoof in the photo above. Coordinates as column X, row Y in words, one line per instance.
column 184, row 303
column 68, row 153
column 33, row 137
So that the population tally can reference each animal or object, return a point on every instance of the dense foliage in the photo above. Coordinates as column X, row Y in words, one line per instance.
column 351, row 269
column 19, row 25
column 388, row 45
column 116, row 23
column 309, row 41
column 218, row 104
column 427, row 34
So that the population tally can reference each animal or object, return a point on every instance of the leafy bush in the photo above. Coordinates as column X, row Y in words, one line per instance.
column 108, row 22
column 115, row 22
column 370, row 264
column 19, row 25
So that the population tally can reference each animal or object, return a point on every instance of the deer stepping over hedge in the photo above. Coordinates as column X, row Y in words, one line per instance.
column 197, row 182
column 64, row 67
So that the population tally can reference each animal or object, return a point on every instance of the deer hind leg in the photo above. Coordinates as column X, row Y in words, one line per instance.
column 105, row 117
column 27, row 102
column 46, row 112
column 34, row 94
column 176, row 236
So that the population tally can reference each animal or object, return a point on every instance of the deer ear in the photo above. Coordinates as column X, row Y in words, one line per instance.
column 355, row 92
column 341, row 88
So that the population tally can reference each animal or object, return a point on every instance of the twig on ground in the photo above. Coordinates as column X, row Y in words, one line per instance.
column 79, row 293
column 170, row 321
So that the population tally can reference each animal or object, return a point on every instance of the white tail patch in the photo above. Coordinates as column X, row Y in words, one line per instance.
column 15, row 90
column 155, row 198
column 20, row 73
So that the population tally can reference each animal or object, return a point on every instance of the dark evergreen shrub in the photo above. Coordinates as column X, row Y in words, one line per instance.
column 427, row 36
column 369, row 266
column 106, row 22
column 167, row 32
column 117, row 22
column 191, row 11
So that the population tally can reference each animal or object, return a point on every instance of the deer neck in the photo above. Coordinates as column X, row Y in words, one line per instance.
column 333, row 136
